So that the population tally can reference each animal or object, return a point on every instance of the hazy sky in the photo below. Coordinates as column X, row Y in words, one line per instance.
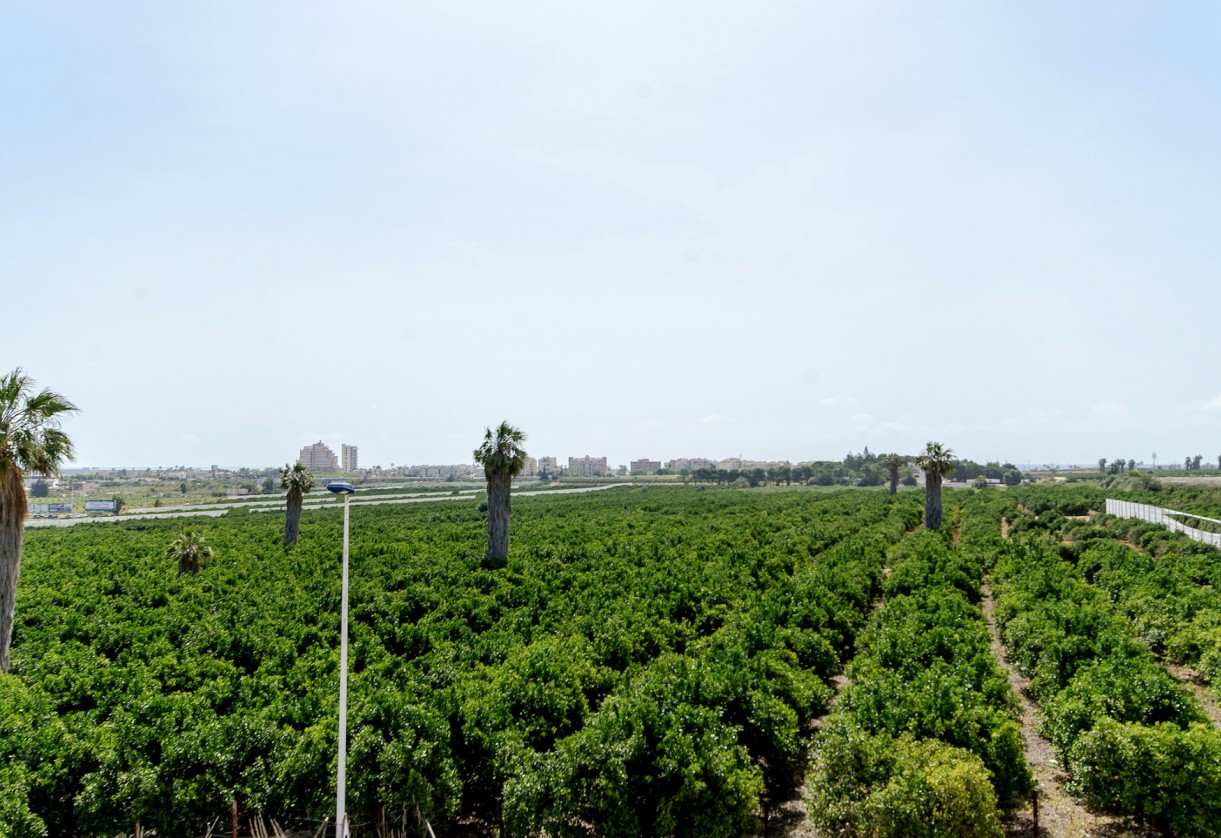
column 662, row 229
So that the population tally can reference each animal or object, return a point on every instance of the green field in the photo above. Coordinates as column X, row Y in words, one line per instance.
column 650, row 658
column 652, row 661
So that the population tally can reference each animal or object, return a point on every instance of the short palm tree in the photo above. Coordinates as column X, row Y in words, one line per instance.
column 502, row 458
column 893, row 463
column 936, row 462
column 30, row 440
column 298, row 481
column 190, row 551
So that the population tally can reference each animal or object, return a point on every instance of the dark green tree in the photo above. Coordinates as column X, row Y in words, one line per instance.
column 30, row 440
column 298, row 481
column 190, row 551
column 40, row 489
column 502, row 458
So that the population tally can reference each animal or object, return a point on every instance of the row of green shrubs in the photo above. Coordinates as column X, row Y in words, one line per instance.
column 925, row 738
column 1169, row 588
column 1134, row 740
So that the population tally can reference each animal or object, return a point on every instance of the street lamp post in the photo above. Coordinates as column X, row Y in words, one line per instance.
column 341, row 824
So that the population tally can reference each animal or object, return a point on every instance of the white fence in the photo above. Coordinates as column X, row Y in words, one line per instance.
column 1158, row 515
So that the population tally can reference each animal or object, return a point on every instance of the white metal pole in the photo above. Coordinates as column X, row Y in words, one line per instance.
column 340, row 823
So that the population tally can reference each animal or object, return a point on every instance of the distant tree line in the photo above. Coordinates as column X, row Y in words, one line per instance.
column 863, row 469
column 1119, row 465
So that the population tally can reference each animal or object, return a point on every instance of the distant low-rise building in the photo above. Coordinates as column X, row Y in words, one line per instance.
column 461, row 471
column 645, row 466
column 587, row 467
column 681, row 464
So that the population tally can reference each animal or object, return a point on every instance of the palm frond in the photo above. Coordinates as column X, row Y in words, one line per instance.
column 501, row 452
column 30, row 435
column 297, row 478
column 936, row 459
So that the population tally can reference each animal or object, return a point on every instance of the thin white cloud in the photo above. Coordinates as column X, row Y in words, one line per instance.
column 839, row 401
column 713, row 419
column 1105, row 408
column 1213, row 404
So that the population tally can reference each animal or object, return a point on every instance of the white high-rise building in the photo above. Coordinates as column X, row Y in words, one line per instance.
column 319, row 459
column 348, row 457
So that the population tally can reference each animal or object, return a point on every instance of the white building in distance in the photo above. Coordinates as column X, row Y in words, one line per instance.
column 587, row 467
column 319, row 459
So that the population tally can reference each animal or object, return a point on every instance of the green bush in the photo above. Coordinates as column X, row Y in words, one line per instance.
column 1168, row 777
column 883, row 787
column 1130, row 690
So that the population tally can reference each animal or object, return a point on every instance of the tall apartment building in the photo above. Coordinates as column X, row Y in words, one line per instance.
column 549, row 466
column 587, row 467
column 348, row 457
column 319, row 459
column 646, row 466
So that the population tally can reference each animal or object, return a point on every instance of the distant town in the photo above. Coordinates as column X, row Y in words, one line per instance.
column 110, row 491
column 322, row 460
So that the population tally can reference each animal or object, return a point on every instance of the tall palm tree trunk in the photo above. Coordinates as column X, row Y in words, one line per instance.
column 499, row 510
column 894, row 479
column 12, row 531
column 292, row 518
column 932, row 501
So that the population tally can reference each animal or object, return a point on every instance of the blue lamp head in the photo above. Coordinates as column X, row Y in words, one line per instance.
column 341, row 488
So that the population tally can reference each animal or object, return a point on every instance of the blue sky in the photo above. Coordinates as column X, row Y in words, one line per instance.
column 781, row 230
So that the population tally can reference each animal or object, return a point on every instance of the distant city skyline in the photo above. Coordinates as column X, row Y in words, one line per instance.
column 584, row 466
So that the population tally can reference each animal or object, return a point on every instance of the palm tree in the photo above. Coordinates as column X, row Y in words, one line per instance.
column 502, row 458
column 30, row 440
column 893, row 463
column 298, row 481
column 190, row 551
column 936, row 461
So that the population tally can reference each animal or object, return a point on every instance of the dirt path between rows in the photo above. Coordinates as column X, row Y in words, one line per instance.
column 791, row 818
column 1059, row 814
